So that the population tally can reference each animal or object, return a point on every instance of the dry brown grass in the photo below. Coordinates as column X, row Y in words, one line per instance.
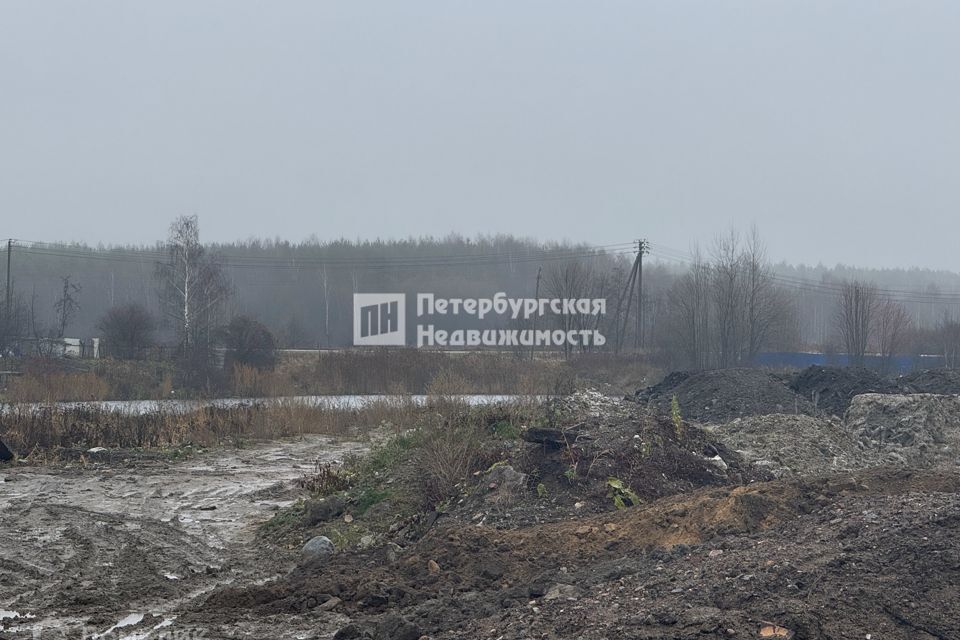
column 383, row 371
column 56, row 380
column 57, row 386
column 250, row 382
column 386, row 371
column 624, row 373
column 45, row 428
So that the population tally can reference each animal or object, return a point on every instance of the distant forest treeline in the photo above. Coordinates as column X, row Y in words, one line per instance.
column 303, row 291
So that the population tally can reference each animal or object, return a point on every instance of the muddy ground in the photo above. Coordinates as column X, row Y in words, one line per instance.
column 779, row 526
column 85, row 545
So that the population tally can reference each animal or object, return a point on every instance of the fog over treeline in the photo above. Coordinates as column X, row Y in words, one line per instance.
column 303, row 291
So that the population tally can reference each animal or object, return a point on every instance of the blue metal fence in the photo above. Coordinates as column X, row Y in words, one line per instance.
column 800, row 360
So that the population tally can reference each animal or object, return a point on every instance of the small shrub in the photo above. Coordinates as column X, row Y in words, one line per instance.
column 621, row 494
column 370, row 497
column 506, row 430
column 676, row 417
column 449, row 453
column 325, row 480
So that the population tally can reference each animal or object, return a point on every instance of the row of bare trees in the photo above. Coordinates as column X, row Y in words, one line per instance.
column 20, row 319
column 870, row 322
column 726, row 308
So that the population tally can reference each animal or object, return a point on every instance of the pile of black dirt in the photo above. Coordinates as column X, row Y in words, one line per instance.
column 598, row 465
column 939, row 381
column 832, row 388
column 5, row 454
column 722, row 395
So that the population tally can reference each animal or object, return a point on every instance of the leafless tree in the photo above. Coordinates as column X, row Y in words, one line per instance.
column 892, row 325
column 689, row 308
column 127, row 329
column 13, row 324
column 43, row 343
column 856, row 317
column 767, row 308
column 948, row 335
column 729, row 299
column 569, row 279
column 193, row 292
column 723, row 312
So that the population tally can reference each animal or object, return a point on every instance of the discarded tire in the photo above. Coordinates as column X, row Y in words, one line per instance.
column 5, row 454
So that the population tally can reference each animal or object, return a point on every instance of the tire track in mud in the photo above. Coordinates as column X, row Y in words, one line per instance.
column 83, row 547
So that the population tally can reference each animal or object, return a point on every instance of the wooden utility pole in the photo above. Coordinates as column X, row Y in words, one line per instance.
column 643, row 247
column 326, row 307
column 627, row 291
column 536, row 295
column 8, row 301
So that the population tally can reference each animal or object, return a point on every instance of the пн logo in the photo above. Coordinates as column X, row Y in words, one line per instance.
column 378, row 319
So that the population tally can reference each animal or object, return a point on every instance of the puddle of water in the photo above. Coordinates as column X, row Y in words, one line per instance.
column 340, row 401
column 128, row 621
column 143, row 635
column 13, row 617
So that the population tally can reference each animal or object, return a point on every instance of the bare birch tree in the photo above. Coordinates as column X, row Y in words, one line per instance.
column 193, row 291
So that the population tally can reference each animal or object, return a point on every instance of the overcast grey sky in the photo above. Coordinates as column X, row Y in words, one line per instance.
column 835, row 126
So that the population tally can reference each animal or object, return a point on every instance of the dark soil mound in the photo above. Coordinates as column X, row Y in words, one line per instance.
column 5, row 454
column 940, row 381
column 568, row 470
column 650, row 456
column 723, row 395
column 682, row 567
column 832, row 388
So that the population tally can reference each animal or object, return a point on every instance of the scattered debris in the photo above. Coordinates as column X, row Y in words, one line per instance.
column 795, row 445
column 918, row 429
column 502, row 483
column 553, row 438
column 775, row 631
